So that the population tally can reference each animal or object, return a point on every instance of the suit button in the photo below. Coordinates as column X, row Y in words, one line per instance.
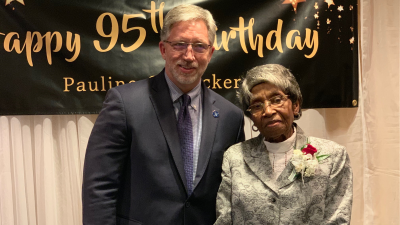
column 187, row 204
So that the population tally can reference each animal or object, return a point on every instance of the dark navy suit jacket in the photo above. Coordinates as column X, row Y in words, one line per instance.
column 133, row 171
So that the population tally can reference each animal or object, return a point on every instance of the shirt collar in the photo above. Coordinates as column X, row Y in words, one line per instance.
column 176, row 93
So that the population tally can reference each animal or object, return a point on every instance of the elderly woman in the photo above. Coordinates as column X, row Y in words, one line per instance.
column 282, row 176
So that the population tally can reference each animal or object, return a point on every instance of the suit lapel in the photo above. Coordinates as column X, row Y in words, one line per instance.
column 162, row 103
column 301, row 138
column 256, row 157
column 283, row 179
column 209, row 127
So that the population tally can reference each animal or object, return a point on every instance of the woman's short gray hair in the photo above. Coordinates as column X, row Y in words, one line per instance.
column 188, row 12
column 274, row 74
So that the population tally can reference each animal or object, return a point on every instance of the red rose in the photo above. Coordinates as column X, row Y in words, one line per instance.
column 309, row 149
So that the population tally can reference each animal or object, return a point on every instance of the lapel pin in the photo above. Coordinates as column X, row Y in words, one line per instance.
column 215, row 114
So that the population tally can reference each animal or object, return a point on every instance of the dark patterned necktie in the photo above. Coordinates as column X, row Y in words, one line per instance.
column 186, row 140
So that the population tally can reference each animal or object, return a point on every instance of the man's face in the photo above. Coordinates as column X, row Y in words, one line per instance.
column 185, row 68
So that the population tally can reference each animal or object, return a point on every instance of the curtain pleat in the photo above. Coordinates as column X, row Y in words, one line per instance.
column 41, row 168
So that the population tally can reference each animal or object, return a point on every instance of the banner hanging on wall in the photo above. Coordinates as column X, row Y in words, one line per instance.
column 61, row 57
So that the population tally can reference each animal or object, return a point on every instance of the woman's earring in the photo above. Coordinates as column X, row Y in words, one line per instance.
column 254, row 128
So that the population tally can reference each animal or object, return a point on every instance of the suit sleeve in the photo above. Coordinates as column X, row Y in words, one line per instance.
column 224, row 195
column 339, row 196
column 106, row 155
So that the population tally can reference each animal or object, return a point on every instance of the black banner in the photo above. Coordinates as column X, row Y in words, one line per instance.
column 61, row 56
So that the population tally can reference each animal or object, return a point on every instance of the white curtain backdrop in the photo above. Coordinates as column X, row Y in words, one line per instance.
column 41, row 157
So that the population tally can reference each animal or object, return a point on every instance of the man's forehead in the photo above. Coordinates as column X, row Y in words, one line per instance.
column 191, row 30
column 191, row 21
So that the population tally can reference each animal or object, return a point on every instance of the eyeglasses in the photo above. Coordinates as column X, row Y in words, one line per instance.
column 182, row 46
column 274, row 102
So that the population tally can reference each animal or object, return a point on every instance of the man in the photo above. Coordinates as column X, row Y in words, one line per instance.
column 155, row 152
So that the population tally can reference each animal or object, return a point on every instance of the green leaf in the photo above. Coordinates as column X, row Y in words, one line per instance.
column 322, row 157
column 293, row 175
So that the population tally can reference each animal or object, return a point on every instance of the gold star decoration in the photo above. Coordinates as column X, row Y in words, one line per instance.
column 339, row 16
column 316, row 16
column 316, row 5
column 340, row 8
column 330, row 2
column 351, row 28
column 328, row 21
column 351, row 7
column 294, row 3
column 351, row 40
column 9, row 1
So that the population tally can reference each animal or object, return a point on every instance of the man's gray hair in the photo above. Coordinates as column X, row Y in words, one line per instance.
column 274, row 74
column 188, row 12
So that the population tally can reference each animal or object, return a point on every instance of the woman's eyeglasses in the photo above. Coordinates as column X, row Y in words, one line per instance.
column 274, row 102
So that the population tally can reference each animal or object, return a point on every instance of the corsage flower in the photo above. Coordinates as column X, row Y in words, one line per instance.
column 306, row 161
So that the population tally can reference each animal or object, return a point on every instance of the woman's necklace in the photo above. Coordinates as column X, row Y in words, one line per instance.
column 273, row 163
column 277, row 150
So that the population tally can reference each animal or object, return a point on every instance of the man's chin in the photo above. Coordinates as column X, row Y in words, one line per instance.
column 186, row 78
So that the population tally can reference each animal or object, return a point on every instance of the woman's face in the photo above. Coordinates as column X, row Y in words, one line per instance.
column 275, row 123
